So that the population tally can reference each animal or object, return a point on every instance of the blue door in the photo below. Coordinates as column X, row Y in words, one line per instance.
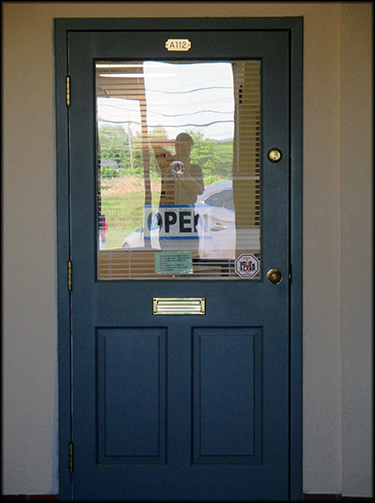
column 180, row 349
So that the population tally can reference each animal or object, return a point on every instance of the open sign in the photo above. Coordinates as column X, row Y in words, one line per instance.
column 175, row 222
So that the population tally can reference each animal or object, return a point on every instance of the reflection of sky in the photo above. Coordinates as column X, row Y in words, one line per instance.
column 197, row 96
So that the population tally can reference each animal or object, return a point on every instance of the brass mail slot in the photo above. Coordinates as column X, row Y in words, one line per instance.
column 191, row 305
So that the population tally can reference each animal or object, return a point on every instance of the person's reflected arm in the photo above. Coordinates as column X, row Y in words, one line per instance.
column 162, row 156
column 192, row 178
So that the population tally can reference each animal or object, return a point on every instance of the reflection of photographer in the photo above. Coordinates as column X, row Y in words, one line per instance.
column 181, row 181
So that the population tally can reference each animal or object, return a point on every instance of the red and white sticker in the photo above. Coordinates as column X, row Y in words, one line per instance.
column 246, row 265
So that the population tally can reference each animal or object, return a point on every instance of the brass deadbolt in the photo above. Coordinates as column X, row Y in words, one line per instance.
column 274, row 276
column 274, row 155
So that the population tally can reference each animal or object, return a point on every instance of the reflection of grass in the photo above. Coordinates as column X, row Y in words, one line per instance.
column 116, row 235
column 123, row 212
column 122, row 201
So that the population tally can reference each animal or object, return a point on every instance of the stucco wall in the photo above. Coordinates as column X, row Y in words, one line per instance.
column 337, row 334
column 356, row 266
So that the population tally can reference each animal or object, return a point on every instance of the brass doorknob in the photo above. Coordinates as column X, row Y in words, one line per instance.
column 274, row 276
column 274, row 155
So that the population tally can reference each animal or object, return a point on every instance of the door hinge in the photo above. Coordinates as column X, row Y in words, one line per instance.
column 70, row 279
column 67, row 91
column 71, row 457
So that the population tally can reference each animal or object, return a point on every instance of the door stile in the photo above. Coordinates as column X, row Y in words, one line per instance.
column 63, row 257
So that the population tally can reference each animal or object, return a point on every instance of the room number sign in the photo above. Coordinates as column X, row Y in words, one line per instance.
column 178, row 44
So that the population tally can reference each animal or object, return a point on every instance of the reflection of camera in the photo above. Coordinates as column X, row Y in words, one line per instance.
column 177, row 168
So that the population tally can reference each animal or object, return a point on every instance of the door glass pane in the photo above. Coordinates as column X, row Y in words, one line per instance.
column 178, row 157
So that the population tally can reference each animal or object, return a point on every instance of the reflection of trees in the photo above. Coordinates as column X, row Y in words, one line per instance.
column 114, row 145
column 214, row 156
column 121, row 146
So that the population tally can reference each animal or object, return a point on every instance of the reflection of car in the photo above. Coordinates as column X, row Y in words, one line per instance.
column 215, row 226
column 103, row 231
column 134, row 240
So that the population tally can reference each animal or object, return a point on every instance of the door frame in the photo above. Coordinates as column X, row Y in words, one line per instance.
column 294, row 26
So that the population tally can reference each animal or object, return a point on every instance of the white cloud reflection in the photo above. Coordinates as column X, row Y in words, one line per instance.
column 181, row 96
